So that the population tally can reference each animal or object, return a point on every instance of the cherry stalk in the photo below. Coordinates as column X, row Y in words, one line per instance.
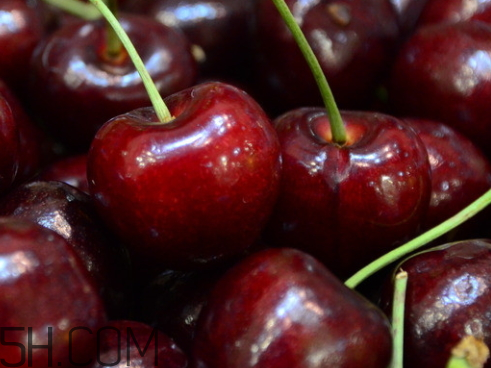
column 398, row 319
column 158, row 104
column 337, row 127
column 432, row 234
column 76, row 7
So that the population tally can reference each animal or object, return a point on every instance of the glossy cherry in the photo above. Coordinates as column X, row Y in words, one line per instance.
column 76, row 87
column 448, row 298
column 193, row 191
column 36, row 148
column 282, row 308
column 219, row 30
column 354, row 42
column 454, row 11
column 21, row 29
column 348, row 204
column 460, row 172
column 453, row 88
column 44, row 290
column 70, row 213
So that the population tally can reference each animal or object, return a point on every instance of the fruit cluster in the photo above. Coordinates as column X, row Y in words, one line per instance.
column 173, row 192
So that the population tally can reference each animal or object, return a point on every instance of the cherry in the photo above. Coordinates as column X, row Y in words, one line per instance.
column 70, row 213
column 282, row 308
column 447, row 300
column 348, row 204
column 173, row 302
column 460, row 172
column 194, row 190
column 354, row 42
column 219, row 30
column 21, row 29
column 36, row 148
column 45, row 293
column 76, row 86
column 453, row 89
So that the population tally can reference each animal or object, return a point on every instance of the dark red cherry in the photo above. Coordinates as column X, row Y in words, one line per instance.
column 76, row 87
column 219, row 30
column 460, row 172
column 442, row 73
column 281, row 308
column 46, row 298
column 348, row 204
column 70, row 213
column 21, row 29
column 454, row 11
column 354, row 42
column 448, row 298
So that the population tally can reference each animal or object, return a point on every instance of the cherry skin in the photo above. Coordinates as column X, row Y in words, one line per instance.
column 354, row 42
column 221, row 29
column 282, row 308
column 71, row 214
column 173, row 302
column 9, row 141
column 21, row 29
column 448, row 297
column 193, row 191
column 460, row 172
column 36, row 149
column 408, row 13
column 71, row 170
column 454, row 11
column 76, row 87
column 44, row 285
column 161, row 351
column 348, row 204
column 442, row 73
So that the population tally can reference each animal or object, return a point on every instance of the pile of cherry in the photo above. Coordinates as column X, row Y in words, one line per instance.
column 219, row 235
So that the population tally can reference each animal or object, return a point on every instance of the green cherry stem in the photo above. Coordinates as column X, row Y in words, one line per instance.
column 77, row 8
column 338, row 130
column 470, row 352
column 421, row 240
column 114, row 44
column 458, row 362
column 158, row 103
column 398, row 308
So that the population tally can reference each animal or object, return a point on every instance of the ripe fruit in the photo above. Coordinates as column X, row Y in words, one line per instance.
column 454, row 88
column 448, row 298
column 349, row 204
column 281, row 308
column 195, row 190
column 44, row 291
column 75, row 86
